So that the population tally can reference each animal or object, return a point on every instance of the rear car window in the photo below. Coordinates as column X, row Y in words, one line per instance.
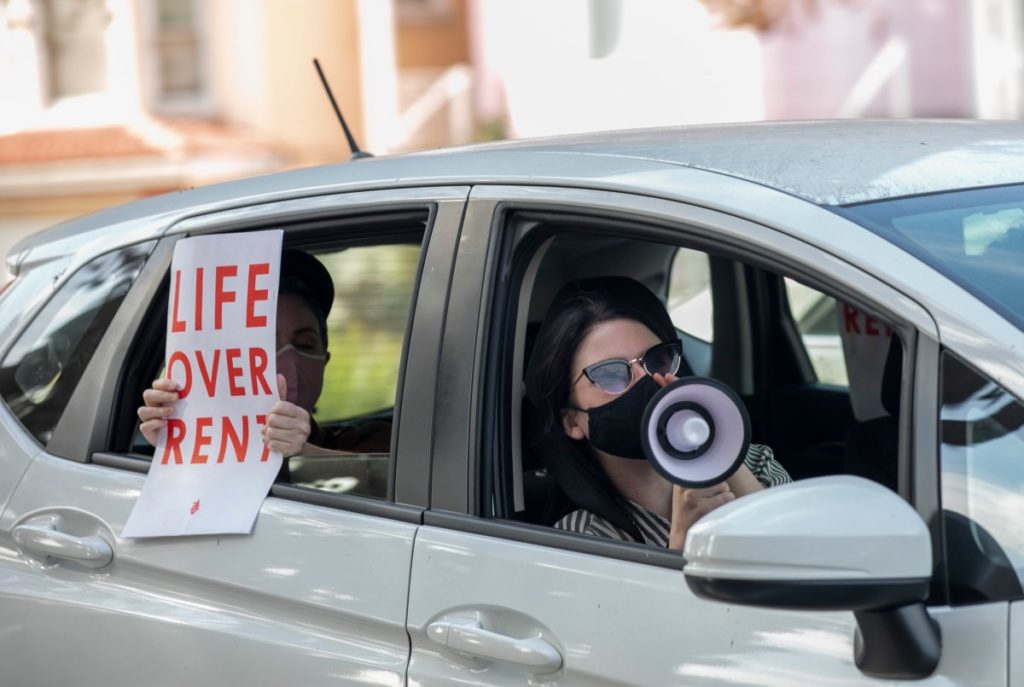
column 42, row 369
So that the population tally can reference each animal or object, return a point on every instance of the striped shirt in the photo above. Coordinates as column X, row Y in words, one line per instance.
column 760, row 461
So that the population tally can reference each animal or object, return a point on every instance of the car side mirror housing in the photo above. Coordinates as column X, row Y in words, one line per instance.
column 828, row 543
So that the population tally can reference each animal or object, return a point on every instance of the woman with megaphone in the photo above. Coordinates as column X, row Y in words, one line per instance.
column 605, row 350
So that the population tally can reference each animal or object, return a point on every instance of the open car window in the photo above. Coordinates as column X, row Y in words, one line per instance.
column 373, row 281
column 749, row 324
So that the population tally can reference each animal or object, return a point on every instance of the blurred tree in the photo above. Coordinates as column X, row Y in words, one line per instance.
column 373, row 293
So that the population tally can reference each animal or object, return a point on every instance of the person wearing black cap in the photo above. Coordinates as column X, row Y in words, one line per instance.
column 305, row 297
column 605, row 348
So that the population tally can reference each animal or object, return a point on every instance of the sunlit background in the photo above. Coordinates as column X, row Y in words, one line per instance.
column 107, row 101
column 104, row 101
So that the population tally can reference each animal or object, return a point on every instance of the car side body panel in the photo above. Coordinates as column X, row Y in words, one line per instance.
column 626, row 623
column 314, row 596
column 1016, row 644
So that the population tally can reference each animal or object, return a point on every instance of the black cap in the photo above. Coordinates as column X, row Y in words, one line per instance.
column 316, row 285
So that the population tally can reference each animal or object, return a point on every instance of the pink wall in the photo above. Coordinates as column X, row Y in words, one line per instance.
column 811, row 68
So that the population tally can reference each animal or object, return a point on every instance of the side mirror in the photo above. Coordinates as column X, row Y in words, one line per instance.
column 829, row 543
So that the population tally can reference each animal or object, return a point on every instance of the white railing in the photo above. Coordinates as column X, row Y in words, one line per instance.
column 890, row 66
column 450, row 96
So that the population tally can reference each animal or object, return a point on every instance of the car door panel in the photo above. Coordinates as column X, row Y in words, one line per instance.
column 615, row 621
column 1017, row 644
column 618, row 622
column 313, row 596
column 16, row 452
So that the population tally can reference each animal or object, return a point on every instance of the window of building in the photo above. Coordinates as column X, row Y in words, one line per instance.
column 178, row 50
column 74, row 40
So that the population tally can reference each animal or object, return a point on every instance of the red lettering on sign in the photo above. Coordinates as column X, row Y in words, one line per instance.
column 258, row 370
column 228, row 433
column 175, row 435
column 850, row 319
column 253, row 295
column 186, row 386
column 199, row 299
column 234, row 439
column 222, row 295
column 209, row 376
column 176, row 324
column 203, row 439
column 870, row 327
column 234, row 371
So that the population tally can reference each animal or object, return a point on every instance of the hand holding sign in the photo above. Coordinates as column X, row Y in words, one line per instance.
column 288, row 425
column 207, row 418
column 160, row 400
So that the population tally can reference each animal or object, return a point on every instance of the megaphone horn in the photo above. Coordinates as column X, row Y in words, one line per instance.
column 696, row 432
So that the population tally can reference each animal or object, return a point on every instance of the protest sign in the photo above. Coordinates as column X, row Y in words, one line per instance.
column 865, row 343
column 211, row 469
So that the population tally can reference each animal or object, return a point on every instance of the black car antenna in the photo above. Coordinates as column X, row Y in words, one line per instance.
column 352, row 145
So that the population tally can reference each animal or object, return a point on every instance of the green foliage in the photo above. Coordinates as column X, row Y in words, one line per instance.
column 366, row 327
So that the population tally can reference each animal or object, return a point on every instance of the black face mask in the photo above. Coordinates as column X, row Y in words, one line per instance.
column 615, row 426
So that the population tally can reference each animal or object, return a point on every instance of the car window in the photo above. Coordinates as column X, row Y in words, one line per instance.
column 42, row 369
column 366, row 327
column 982, row 459
column 689, row 294
column 975, row 237
column 373, row 283
column 810, row 427
column 373, row 288
column 816, row 318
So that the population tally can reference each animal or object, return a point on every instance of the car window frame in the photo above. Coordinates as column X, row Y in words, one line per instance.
column 459, row 505
column 86, row 427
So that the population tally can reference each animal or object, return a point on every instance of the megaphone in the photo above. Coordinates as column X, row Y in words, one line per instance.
column 696, row 432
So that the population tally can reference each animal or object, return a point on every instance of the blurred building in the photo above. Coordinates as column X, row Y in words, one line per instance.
column 599, row 64
column 104, row 101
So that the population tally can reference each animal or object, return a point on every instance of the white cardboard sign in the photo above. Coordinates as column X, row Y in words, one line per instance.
column 211, row 470
column 865, row 347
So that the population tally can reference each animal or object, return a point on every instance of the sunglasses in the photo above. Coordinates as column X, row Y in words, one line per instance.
column 614, row 376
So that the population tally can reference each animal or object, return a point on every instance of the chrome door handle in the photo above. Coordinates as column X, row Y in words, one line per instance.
column 470, row 637
column 47, row 541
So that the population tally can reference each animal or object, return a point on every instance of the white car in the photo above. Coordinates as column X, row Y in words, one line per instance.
column 896, row 556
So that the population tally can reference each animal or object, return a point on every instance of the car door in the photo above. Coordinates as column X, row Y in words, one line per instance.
column 19, row 300
column 495, row 600
column 317, row 593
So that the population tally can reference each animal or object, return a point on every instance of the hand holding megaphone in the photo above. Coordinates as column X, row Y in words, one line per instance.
column 696, row 432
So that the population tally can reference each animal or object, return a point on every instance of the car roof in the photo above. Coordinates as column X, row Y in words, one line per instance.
column 829, row 162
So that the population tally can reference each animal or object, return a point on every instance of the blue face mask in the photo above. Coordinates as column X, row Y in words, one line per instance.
column 615, row 426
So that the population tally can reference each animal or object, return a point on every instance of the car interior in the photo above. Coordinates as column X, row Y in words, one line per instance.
column 756, row 348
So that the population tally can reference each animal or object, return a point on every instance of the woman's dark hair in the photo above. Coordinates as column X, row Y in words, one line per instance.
column 576, row 309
